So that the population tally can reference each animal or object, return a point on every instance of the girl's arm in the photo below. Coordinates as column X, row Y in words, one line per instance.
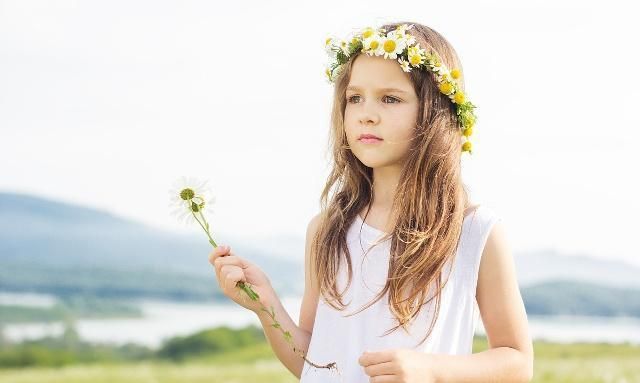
column 280, row 346
column 301, row 335
column 510, row 355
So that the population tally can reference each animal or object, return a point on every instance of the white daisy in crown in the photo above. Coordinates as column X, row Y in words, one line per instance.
column 392, row 46
column 401, row 34
column 373, row 45
column 344, row 45
column 328, row 46
column 415, row 55
column 443, row 74
column 404, row 65
column 403, row 28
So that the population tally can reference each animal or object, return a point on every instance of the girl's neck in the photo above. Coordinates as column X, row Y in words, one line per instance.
column 385, row 183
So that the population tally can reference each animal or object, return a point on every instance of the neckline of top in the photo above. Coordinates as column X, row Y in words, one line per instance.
column 378, row 231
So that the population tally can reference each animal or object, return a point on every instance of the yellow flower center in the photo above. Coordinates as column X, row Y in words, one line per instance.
column 466, row 147
column 187, row 194
column 446, row 88
column 455, row 73
column 389, row 46
column 327, row 41
column 367, row 33
column 374, row 45
column 467, row 132
column 458, row 97
column 415, row 59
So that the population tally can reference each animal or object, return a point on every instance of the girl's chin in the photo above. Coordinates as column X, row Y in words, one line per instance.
column 373, row 161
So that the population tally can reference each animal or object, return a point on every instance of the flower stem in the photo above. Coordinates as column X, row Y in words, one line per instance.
column 255, row 297
column 206, row 230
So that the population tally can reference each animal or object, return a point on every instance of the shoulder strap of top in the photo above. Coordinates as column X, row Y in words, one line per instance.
column 481, row 221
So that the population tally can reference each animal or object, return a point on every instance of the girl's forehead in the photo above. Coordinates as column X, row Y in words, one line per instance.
column 377, row 72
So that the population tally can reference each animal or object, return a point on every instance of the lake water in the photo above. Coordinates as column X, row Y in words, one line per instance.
column 164, row 320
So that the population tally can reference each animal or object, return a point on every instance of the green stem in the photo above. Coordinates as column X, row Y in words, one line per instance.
column 203, row 228
column 206, row 230
column 255, row 297
column 252, row 294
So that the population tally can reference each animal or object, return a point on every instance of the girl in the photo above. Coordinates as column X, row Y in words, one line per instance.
column 398, row 257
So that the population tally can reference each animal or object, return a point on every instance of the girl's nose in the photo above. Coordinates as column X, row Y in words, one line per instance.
column 369, row 114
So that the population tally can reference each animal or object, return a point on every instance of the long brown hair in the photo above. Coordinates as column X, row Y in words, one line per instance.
column 428, row 206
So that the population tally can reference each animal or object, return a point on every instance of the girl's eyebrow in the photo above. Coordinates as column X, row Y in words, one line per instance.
column 355, row 87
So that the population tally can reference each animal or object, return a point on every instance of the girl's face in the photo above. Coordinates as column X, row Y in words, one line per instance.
column 380, row 101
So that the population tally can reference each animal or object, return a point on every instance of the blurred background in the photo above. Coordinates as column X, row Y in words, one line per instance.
column 103, row 105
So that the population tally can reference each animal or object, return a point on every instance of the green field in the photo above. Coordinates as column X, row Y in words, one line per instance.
column 584, row 363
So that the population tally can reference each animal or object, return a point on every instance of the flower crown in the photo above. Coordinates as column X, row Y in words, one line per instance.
column 397, row 44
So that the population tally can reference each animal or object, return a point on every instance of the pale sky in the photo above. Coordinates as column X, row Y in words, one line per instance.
column 105, row 104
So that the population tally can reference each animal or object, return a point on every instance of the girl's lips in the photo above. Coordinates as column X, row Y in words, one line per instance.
column 370, row 140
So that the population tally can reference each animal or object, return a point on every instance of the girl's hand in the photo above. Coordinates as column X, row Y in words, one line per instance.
column 398, row 366
column 230, row 269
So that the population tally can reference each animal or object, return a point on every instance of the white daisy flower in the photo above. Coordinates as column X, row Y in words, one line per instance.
column 189, row 195
column 373, row 45
column 406, row 38
column 401, row 34
column 416, row 55
column 344, row 46
column 330, row 48
column 392, row 46
column 409, row 39
column 328, row 42
column 443, row 73
column 327, row 72
column 402, row 28
column 418, row 50
column 366, row 33
column 404, row 65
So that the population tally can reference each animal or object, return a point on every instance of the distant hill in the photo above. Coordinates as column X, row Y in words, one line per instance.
column 540, row 266
column 64, row 249
column 580, row 298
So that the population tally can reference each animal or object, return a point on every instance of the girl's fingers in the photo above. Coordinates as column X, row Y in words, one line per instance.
column 229, row 276
column 230, row 260
column 218, row 252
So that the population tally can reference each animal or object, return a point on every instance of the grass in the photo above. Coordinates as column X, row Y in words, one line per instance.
column 554, row 362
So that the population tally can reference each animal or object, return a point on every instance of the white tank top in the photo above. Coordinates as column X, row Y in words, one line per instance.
column 341, row 339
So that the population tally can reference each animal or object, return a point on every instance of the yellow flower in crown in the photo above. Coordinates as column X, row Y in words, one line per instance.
column 368, row 32
column 401, row 46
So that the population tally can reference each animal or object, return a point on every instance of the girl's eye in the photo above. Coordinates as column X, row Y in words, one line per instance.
column 395, row 100
column 350, row 99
